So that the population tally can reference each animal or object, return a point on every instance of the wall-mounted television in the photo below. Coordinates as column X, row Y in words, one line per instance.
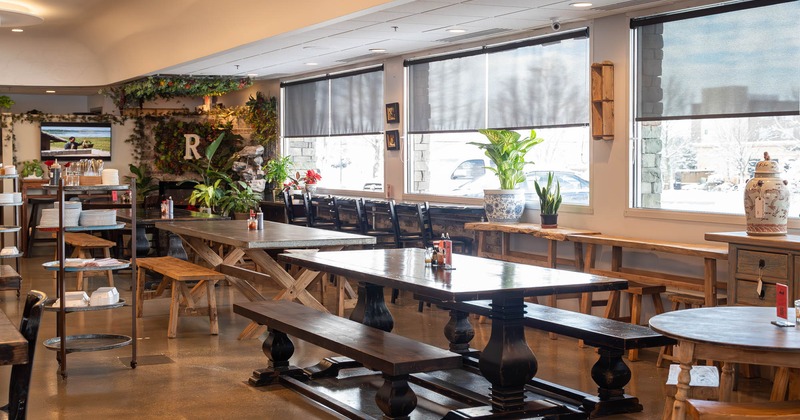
column 75, row 140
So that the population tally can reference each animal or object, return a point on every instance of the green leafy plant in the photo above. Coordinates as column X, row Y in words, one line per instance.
column 31, row 168
column 549, row 198
column 238, row 198
column 507, row 151
column 137, row 92
column 145, row 183
column 207, row 196
column 5, row 102
column 278, row 169
column 262, row 116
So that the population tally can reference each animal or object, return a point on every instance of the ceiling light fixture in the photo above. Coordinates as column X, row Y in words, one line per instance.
column 581, row 4
column 377, row 50
column 312, row 64
column 16, row 30
column 13, row 15
column 456, row 30
column 252, row 74
column 49, row 91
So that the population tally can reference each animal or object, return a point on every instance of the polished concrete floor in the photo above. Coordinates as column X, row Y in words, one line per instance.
column 200, row 376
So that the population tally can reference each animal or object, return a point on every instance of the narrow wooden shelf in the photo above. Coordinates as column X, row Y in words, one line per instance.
column 603, row 101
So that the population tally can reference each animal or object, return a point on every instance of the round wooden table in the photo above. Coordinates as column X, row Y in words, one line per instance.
column 731, row 334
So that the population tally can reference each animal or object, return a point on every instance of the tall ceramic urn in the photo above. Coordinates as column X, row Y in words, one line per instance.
column 766, row 200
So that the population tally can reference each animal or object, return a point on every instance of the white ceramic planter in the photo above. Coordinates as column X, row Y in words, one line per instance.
column 504, row 206
column 766, row 200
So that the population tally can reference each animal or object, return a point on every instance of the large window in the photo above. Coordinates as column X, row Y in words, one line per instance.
column 333, row 125
column 715, row 88
column 539, row 84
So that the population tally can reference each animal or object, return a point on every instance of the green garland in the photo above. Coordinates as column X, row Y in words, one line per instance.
column 137, row 92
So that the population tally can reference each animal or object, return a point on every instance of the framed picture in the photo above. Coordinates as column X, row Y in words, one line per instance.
column 393, row 140
column 393, row 112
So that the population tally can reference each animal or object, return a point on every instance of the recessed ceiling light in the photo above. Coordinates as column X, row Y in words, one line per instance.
column 581, row 4
column 456, row 30
column 252, row 74
column 16, row 30
column 378, row 50
column 311, row 64
column 49, row 91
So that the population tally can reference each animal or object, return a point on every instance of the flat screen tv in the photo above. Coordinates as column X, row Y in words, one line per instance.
column 72, row 140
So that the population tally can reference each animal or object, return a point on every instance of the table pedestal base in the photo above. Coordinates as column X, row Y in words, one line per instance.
column 330, row 367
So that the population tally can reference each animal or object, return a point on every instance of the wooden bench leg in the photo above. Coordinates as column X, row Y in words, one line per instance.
column 174, row 309
column 140, row 277
column 636, row 317
column 552, row 301
column 395, row 398
column 611, row 374
column 612, row 307
column 212, row 306
column 278, row 348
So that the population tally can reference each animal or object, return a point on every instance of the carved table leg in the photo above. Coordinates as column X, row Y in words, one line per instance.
column 611, row 374
column 278, row 348
column 686, row 358
column 459, row 332
column 371, row 308
column 395, row 398
column 507, row 362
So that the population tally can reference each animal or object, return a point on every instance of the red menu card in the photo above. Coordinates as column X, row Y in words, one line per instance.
column 782, row 300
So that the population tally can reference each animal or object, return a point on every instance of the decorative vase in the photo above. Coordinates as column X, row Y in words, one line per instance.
column 504, row 206
column 766, row 200
column 549, row 221
column 311, row 188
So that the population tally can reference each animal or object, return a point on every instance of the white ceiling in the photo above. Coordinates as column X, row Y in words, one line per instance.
column 132, row 38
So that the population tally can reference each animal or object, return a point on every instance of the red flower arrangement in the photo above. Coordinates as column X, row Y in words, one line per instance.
column 311, row 177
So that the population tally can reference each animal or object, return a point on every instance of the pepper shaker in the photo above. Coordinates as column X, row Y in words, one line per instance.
column 260, row 220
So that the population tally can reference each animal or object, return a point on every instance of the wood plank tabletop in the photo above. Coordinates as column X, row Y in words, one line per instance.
column 788, row 242
column 273, row 236
column 533, row 229
column 744, row 327
column 473, row 277
column 13, row 346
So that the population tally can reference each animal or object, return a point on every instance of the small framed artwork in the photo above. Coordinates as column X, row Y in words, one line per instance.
column 393, row 140
column 393, row 112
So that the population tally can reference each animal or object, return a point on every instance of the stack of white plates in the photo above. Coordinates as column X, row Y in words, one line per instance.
column 74, row 205
column 50, row 217
column 110, row 177
column 8, row 198
column 98, row 217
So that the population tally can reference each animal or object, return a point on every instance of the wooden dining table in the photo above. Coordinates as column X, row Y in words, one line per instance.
column 255, row 244
column 507, row 362
column 13, row 346
column 730, row 334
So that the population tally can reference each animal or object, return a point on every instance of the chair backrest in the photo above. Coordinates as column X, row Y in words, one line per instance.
column 377, row 210
column 287, row 203
column 309, row 209
column 412, row 233
column 323, row 210
column 21, row 374
column 426, row 223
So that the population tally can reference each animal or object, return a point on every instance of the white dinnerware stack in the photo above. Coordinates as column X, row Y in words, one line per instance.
column 10, row 198
column 72, row 214
column 110, row 177
column 98, row 218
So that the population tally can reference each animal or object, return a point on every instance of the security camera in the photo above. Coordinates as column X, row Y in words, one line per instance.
column 555, row 24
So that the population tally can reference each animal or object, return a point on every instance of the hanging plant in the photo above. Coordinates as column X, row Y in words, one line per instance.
column 5, row 102
column 170, row 144
column 262, row 116
column 137, row 92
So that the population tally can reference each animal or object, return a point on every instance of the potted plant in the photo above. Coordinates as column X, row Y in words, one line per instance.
column 144, row 182
column 309, row 180
column 507, row 152
column 31, row 169
column 549, row 201
column 277, row 171
column 207, row 196
column 5, row 102
column 239, row 199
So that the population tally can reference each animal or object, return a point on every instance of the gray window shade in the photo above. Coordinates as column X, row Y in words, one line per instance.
column 357, row 104
column 448, row 95
column 307, row 109
column 540, row 85
column 738, row 63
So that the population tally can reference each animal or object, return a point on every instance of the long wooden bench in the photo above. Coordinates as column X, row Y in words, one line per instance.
column 395, row 356
column 705, row 284
column 84, row 243
column 612, row 338
column 176, row 273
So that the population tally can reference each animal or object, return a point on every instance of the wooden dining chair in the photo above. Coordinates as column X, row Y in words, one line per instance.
column 461, row 244
column 291, row 217
column 319, row 212
column 379, row 219
column 346, row 215
column 21, row 374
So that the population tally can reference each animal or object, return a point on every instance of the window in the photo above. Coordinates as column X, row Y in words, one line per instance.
column 539, row 84
column 334, row 125
column 711, row 98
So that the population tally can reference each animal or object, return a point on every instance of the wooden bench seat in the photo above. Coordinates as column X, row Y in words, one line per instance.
column 710, row 253
column 176, row 273
column 714, row 410
column 611, row 337
column 84, row 243
column 395, row 356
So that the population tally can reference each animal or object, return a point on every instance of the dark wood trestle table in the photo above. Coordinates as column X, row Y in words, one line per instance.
column 507, row 362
